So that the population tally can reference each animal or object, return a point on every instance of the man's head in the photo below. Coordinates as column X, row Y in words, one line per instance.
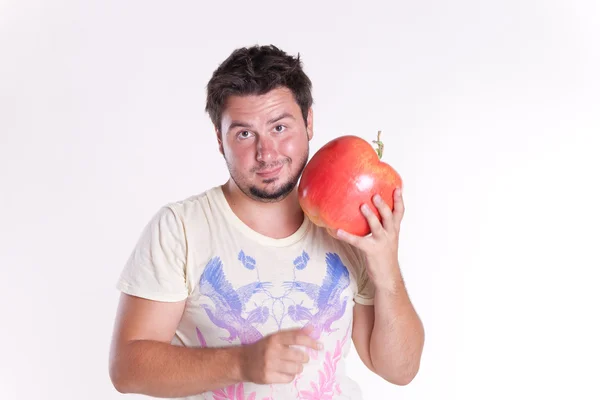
column 259, row 100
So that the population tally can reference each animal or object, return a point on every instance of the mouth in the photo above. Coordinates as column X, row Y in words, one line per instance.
column 270, row 173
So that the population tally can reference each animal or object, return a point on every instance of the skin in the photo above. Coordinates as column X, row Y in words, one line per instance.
column 259, row 145
column 388, row 336
column 143, row 361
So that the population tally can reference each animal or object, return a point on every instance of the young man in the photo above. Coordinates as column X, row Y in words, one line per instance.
column 234, row 293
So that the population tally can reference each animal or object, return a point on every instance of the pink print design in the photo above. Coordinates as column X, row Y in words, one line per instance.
column 232, row 392
column 235, row 392
column 201, row 338
column 327, row 386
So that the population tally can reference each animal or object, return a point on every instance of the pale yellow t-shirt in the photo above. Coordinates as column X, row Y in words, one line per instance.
column 240, row 286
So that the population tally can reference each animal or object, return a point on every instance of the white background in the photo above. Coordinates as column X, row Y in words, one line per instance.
column 490, row 111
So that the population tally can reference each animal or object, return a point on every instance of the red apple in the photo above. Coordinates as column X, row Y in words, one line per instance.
column 340, row 177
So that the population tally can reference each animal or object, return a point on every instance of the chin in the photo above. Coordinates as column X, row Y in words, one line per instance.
column 268, row 191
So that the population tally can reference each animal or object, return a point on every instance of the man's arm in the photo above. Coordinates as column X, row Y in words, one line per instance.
column 389, row 335
column 142, row 359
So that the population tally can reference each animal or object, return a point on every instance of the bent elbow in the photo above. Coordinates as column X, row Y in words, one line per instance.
column 402, row 377
column 119, row 381
column 119, row 377
column 401, row 380
column 120, row 387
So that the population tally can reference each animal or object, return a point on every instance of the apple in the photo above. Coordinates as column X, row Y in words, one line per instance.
column 342, row 175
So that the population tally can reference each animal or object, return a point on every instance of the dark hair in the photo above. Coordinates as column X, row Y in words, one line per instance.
column 255, row 71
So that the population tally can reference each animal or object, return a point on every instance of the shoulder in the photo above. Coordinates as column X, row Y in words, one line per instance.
column 185, row 223
column 191, row 205
column 194, row 210
column 199, row 216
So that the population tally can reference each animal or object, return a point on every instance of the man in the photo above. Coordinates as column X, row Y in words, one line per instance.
column 234, row 293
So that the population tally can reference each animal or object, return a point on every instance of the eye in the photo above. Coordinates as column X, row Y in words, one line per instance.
column 280, row 128
column 244, row 134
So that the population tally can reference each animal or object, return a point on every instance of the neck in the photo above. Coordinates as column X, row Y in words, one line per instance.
column 276, row 220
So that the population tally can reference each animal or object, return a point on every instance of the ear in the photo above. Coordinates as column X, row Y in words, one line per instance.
column 309, row 123
column 219, row 140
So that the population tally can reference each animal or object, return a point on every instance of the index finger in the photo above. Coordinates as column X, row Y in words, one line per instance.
column 300, row 337
column 398, row 210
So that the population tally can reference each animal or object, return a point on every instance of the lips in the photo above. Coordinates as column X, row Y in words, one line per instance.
column 268, row 173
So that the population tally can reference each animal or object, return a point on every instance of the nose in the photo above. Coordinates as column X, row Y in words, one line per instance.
column 266, row 150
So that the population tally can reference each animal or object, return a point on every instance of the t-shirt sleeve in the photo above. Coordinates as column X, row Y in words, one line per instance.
column 156, row 268
column 366, row 291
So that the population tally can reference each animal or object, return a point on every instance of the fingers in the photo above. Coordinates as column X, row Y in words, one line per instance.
column 290, row 368
column 372, row 219
column 374, row 225
column 354, row 240
column 390, row 218
column 389, row 223
column 281, row 378
column 384, row 211
column 295, row 355
column 288, row 361
column 276, row 358
column 398, row 207
column 309, row 342
column 300, row 337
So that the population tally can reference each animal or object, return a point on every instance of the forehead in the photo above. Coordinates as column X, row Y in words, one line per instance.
column 257, row 107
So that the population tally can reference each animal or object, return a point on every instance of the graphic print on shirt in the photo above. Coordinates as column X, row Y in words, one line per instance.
column 236, row 391
column 327, row 297
column 231, row 304
column 327, row 385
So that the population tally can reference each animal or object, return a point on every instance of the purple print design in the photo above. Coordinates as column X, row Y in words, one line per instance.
column 327, row 305
column 327, row 297
column 234, row 311
column 230, row 304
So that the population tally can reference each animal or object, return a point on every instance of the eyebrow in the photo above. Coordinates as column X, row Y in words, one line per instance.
column 240, row 124
column 282, row 116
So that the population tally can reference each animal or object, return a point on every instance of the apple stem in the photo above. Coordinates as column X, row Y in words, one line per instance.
column 379, row 144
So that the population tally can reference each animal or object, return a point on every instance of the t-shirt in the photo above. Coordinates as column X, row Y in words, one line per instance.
column 240, row 286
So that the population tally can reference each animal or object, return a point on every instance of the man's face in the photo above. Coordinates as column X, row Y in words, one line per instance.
column 265, row 143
